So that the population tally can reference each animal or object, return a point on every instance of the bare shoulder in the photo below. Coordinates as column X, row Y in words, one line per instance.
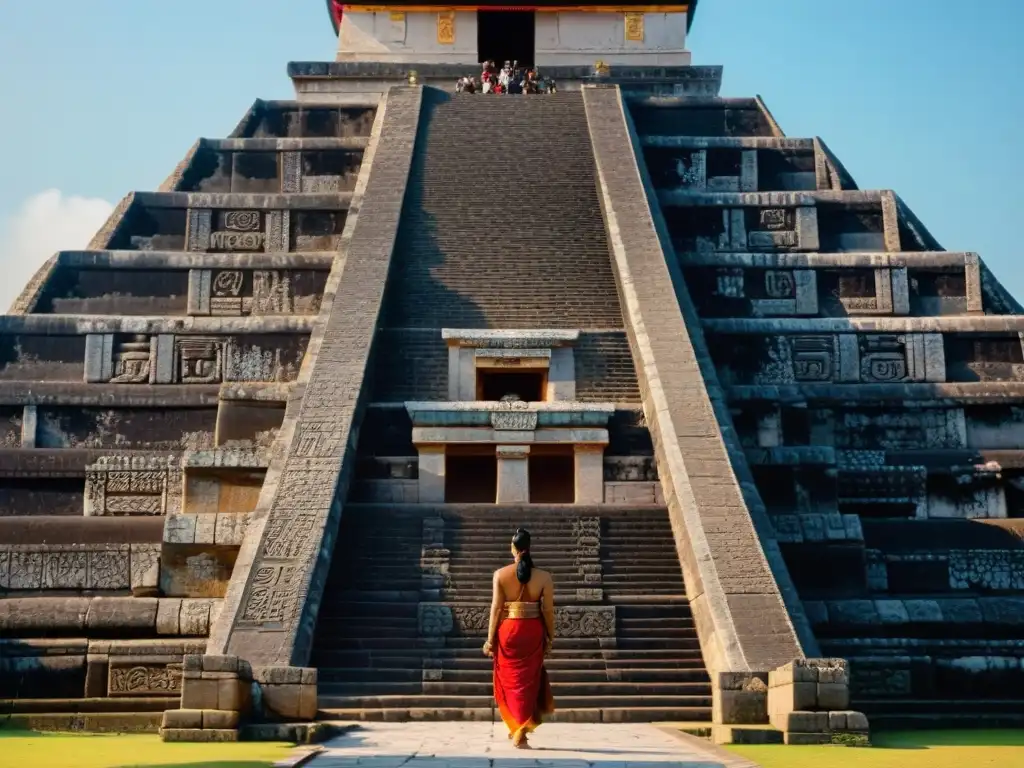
column 543, row 576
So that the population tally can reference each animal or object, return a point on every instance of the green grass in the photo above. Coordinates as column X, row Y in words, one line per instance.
column 901, row 749
column 63, row 750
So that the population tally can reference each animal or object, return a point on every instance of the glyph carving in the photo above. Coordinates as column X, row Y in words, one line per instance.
column 779, row 284
column 65, row 570
column 435, row 620
column 26, row 570
column 773, row 219
column 133, row 485
column 470, row 619
column 200, row 360
column 226, row 288
column 588, row 621
column 195, row 617
column 273, row 594
column 132, row 361
column 813, row 358
column 884, row 358
column 159, row 680
column 241, row 232
column 108, row 570
column 729, row 283
column 514, row 420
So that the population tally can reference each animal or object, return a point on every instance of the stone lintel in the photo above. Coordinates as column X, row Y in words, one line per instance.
column 944, row 393
column 273, row 598
column 799, row 325
column 727, row 142
column 271, row 144
column 422, row 436
column 850, row 198
column 944, row 261
column 512, row 451
column 478, row 413
column 248, row 201
column 509, row 339
column 79, row 325
column 143, row 260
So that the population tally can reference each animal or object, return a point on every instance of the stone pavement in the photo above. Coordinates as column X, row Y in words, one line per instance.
column 486, row 745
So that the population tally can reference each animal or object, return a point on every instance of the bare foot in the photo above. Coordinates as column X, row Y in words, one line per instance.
column 521, row 743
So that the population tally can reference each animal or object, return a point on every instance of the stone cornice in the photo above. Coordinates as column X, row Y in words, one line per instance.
column 72, row 325
column 853, row 198
column 113, row 259
column 483, row 413
column 793, row 325
column 509, row 338
column 262, row 144
column 278, row 201
column 726, row 142
column 924, row 260
column 948, row 394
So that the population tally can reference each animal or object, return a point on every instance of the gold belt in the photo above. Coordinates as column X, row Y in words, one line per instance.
column 522, row 610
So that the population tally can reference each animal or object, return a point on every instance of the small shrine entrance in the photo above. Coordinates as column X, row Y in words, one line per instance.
column 471, row 475
column 505, row 36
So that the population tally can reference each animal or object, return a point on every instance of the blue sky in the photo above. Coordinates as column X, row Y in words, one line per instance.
column 103, row 96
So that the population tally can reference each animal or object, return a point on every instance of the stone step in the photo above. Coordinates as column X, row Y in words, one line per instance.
column 560, row 687
column 483, row 701
column 483, row 673
column 667, row 644
column 489, row 714
column 471, row 658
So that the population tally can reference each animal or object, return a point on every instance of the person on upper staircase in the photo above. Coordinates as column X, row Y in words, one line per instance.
column 519, row 636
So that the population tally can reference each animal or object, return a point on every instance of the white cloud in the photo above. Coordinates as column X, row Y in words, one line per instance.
column 44, row 224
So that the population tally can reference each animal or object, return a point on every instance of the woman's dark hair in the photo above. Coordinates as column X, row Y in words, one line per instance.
column 521, row 541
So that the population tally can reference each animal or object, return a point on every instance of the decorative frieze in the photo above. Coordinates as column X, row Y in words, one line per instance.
column 570, row 621
column 172, row 359
column 133, row 485
column 854, row 359
column 129, row 677
column 105, row 567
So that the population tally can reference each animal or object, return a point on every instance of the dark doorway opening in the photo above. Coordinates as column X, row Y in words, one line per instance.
column 505, row 36
column 496, row 384
column 552, row 478
column 471, row 479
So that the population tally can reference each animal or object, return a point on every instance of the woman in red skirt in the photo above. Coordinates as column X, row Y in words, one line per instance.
column 521, row 630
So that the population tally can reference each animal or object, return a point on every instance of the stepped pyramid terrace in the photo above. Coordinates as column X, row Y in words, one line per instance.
column 267, row 437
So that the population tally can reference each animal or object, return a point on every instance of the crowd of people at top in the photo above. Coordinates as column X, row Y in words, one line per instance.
column 511, row 78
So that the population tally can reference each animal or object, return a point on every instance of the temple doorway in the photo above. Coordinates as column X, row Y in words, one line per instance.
column 505, row 36
column 552, row 475
column 470, row 478
column 526, row 385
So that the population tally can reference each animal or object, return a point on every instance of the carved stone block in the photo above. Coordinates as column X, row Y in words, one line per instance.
column 145, row 565
column 99, row 361
column 109, row 569
column 180, row 529
column 168, row 614
column 585, row 621
column 435, row 620
column 133, row 485
column 65, row 569
column 200, row 224
column 26, row 570
column 195, row 618
column 128, row 679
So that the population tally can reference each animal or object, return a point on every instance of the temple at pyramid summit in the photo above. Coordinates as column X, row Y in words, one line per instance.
column 267, row 437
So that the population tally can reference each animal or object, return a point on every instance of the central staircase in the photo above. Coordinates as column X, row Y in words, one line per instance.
column 377, row 662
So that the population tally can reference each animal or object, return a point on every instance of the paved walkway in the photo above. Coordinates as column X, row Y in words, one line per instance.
column 486, row 745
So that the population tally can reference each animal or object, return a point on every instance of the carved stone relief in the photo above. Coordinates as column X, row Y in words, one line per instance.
column 570, row 621
column 133, row 485
column 856, row 358
column 144, row 680
column 242, row 231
